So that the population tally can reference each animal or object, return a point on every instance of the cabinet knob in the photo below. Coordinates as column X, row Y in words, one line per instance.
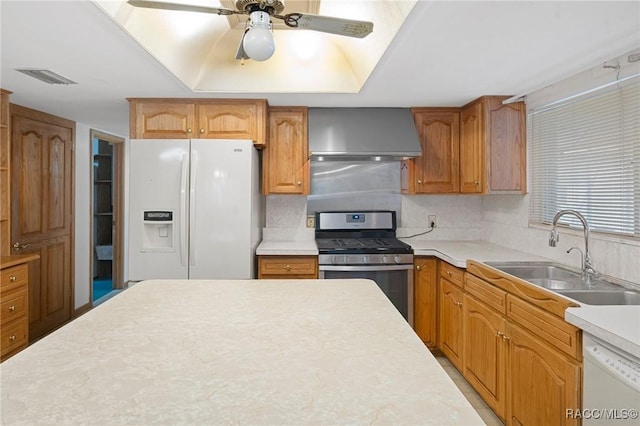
column 12, row 338
column 13, row 278
column 459, row 304
column 449, row 273
column 505, row 337
column 418, row 267
column 419, row 181
column 476, row 182
column 189, row 130
column 287, row 268
column 201, row 130
column 500, row 334
column 12, row 308
column 299, row 183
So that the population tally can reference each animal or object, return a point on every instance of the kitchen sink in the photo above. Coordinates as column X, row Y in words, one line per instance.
column 536, row 270
column 568, row 282
column 603, row 297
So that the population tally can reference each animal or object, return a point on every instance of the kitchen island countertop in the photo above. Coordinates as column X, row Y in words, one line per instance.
column 234, row 352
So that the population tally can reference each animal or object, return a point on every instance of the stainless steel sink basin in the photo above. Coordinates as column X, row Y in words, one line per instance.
column 568, row 282
column 603, row 297
column 536, row 270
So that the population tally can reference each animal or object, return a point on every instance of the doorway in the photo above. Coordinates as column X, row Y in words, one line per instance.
column 107, row 212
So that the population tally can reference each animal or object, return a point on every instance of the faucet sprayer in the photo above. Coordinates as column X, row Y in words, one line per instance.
column 588, row 271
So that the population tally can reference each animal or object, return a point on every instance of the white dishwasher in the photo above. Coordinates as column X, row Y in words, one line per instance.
column 611, row 393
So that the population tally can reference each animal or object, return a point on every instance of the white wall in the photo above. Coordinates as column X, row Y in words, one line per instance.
column 82, row 212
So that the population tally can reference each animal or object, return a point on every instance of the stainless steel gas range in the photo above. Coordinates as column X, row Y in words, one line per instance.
column 363, row 244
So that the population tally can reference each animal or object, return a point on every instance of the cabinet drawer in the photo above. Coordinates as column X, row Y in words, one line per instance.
column 548, row 327
column 451, row 273
column 14, row 336
column 287, row 266
column 14, row 305
column 490, row 295
column 14, row 277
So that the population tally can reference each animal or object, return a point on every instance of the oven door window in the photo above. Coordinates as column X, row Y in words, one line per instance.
column 393, row 283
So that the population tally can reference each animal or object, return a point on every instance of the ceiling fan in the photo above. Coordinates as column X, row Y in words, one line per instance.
column 257, row 41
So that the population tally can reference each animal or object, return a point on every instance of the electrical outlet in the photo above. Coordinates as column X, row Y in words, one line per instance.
column 311, row 221
column 432, row 221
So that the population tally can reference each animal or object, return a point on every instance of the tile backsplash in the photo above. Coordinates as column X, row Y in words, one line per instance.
column 500, row 219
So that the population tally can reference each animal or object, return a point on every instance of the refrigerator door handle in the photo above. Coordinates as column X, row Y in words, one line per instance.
column 183, row 210
column 192, row 206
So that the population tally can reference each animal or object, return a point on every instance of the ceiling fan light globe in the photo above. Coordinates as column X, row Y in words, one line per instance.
column 259, row 44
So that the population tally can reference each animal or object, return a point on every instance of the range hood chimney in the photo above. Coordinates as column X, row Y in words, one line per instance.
column 362, row 134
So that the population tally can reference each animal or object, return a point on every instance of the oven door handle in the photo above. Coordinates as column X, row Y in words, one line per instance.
column 350, row 268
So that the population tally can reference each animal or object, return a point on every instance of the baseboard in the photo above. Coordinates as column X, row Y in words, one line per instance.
column 82, row 310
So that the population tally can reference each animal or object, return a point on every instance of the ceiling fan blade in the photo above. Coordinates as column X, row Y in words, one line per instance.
column 182, row 7
column 241, row 54
column 328, row 24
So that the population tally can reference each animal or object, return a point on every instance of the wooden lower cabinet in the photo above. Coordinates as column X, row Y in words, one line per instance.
column 425, row 297
column 485, row 354
column 543, row 383
column 451, row 327
column 287, row 267
column 521, row 358
column 14, row 304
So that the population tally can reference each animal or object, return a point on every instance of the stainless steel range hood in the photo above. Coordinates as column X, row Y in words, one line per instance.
column 362, row 134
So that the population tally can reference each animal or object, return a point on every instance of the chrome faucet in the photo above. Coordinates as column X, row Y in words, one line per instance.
column 588, row 271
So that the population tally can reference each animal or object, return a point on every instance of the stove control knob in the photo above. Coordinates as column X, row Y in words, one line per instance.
column 385, row 259
column 397, row 259
column 365, row 259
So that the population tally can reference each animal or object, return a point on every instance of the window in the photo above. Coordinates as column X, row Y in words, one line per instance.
column 585, row 155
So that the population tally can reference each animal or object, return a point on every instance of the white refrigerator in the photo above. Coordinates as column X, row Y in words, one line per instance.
column 195, row 209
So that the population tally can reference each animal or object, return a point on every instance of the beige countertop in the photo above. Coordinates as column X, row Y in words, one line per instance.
column 617, row 325
column 241, row 352
column 457, row 252
column 290, row 248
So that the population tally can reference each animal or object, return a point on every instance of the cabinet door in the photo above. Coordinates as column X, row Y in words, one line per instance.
column 436, row 171
column 237, row 120
column 543, row 383
column 485, row 353
column 163, row 120
column 451, row 322
column 506, row 146
column 472, row 144
column 285, row 161
column 5, row 175
column 425, row 296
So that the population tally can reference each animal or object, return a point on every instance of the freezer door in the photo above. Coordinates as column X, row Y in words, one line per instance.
column 158, row 209
column 220, row 244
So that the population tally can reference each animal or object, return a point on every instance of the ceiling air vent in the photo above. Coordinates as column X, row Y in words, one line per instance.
column 47, row 76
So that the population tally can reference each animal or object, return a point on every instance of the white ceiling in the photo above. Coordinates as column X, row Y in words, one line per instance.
column 446, row 54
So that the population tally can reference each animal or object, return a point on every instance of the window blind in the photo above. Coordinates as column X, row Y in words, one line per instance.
column 585, row 155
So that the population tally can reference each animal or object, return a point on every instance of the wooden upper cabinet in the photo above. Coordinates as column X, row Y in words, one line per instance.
column 436, row 170
column 493, row 146
column 162, row 120
column 204, row 119
column 237, row 120
column 286, row 159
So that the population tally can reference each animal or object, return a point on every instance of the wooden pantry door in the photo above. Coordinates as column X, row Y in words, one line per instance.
column 42, row 213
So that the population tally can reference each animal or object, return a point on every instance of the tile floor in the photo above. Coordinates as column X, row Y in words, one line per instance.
column 474, row 399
